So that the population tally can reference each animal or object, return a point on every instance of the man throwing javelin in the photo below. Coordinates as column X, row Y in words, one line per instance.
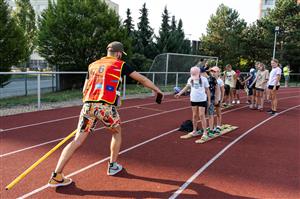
column 100, row 99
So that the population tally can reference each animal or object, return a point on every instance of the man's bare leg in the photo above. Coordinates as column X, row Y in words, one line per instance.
column 69, row 150
column 115, row 144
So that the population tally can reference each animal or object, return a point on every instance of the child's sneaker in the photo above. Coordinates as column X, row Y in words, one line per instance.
column 273, row 113
column 210, row 133
column 204, row 138
column 58, row 180
column 218, row 130
column 113, row 168
column 196, row 133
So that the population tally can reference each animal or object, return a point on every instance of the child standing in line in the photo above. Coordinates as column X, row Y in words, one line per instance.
column 212, row 81
column 249, row 80
column 274, row 84
column 239, row 86
column 219, row 96
column 200, row 99
column 230, row 81
column 260, row 84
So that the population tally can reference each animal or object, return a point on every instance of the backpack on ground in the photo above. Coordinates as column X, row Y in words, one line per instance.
column 186, row 126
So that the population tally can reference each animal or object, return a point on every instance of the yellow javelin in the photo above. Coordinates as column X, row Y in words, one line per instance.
column 20, row 177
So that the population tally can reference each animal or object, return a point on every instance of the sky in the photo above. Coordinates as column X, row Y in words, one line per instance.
column 195, row 14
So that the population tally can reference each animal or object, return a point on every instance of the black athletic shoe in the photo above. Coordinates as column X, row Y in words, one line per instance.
column 270, row 111
column 273, row 113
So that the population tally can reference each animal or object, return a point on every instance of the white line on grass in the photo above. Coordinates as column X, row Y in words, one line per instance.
column 204, row 167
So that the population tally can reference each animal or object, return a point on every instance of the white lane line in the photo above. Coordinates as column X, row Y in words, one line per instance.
column 105, row 159
column 150, row 109
column 127, row 121
column 100, row 161
column 204, row 167
column 66, row 118
column 56, row 140
column 71, row 117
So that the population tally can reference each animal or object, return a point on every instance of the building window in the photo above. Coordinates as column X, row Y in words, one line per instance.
column 269, row 2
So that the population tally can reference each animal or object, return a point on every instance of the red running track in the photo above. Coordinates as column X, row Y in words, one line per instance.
column 262, row 164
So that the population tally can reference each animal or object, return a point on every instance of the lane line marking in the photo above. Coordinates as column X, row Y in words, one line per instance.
column 56, row 140
column 71, row 117
column 127, row 121
column 100, row 161
column 150, row 109
column 123, row 151
column 204, row 167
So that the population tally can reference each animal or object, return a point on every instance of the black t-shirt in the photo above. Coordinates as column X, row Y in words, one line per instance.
column 212, row 81
column 126, row 70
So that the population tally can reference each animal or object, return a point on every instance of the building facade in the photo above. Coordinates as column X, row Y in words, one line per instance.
column 266, row 6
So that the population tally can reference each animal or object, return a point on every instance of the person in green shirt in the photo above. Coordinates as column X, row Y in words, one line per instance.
column 286, row 74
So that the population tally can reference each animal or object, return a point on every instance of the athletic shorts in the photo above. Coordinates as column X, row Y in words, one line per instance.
column 202, row 104
column 259, row 89
column 239, row 86
column 92, row 112
column 250, row 91
column 271, row 87
column 287, row 78
column 210, row 109
column 218, row 105
column 227, row 89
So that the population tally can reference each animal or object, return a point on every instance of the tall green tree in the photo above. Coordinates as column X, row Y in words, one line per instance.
column 258, row 38
column 255, row 46
column 224, row 35
column 128, row 23
column 25, row 17
column 164, row 32
column 144, row 35
column 286, row 15
column 12, row 42
column 75, row 33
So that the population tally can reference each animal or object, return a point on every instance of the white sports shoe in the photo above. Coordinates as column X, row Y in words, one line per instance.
column 233, row 101
column 238, row 102
column 113, row 168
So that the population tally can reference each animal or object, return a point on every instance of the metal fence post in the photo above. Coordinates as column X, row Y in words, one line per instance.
column 39, row 90
column 124, row 87
column 167, row 69
column 176, row 79
column 153, row 78
column 26, row 92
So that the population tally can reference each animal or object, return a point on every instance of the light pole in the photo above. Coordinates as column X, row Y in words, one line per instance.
column 275, row 37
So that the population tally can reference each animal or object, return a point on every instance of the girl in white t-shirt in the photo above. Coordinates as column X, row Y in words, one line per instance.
column 230, row 83
column 200, row 99
column 260, row 82
column 273, row 84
